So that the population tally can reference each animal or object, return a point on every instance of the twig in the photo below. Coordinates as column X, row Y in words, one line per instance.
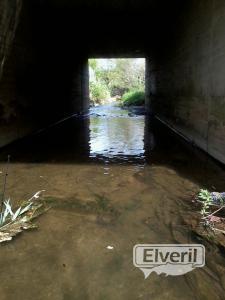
column 222, row 231
column 210, row 204
column 216, row 211
column 4, row 183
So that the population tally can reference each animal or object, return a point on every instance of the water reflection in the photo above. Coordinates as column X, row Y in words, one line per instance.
column 127, row 193
column 114, row 133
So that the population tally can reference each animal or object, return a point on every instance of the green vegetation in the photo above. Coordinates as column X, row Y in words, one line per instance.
column 99, row 91
column 136, row 98
column 13, row 221
column 212, row 210
column 112, row 79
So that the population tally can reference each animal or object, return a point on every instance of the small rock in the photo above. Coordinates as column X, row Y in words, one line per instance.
column 110, row 247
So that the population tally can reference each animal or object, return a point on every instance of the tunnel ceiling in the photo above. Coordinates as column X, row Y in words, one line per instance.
column 46, row 68
column 102, row 4
column 101, row 28
column 55, row 37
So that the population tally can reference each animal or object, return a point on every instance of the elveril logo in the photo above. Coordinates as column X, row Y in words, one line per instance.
column 171, row 259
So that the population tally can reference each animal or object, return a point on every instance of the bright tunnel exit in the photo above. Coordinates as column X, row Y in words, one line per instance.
column 119, row 80
column 117, row 100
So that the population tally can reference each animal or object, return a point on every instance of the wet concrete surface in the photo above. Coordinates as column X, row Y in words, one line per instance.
column 112, row 180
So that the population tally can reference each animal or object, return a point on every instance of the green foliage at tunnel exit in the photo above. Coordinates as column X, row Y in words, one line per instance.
column 98, row 92
column 110, row 79
column 136, row 98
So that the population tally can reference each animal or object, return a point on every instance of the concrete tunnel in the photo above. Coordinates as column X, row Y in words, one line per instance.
column 45, row 46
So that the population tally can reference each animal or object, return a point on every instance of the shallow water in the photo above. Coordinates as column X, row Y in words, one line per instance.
column 114, row 133
column 113, row 180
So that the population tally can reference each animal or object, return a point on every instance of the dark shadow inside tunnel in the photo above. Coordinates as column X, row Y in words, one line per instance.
column 45, row 46
column 45, row 77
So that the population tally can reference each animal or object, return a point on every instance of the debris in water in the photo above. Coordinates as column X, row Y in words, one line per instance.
column 211, row 211
column 110, row 247
column 13, row 222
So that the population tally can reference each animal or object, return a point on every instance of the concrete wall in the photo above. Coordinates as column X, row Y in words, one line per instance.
column 9, row 18
column 80, row 87
column 45, row 74
column 41, row 79
column 187, row 75
column 44, row 49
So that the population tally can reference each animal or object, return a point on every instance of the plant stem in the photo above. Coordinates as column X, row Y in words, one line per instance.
column 4, row 183
column 214, row 212
column 219, row 230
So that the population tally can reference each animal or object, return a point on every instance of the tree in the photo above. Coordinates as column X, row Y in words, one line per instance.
column 117, row 75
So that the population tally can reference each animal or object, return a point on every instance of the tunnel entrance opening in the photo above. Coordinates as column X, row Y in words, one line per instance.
column 117, row 80
column 117, row 100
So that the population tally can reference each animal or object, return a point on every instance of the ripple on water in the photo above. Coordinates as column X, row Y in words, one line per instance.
column 115, row 198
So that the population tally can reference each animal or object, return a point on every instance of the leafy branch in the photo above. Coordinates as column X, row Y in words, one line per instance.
column 209, row 200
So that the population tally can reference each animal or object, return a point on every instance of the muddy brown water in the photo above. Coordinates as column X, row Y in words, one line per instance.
column 112, row 180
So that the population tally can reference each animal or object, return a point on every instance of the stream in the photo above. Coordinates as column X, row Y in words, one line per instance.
column 115, row 180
